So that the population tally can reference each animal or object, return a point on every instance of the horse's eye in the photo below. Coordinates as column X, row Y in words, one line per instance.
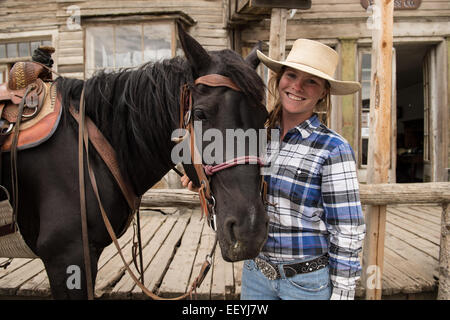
column 199, row 114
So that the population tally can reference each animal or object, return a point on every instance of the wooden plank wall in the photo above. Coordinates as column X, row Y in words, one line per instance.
column 448, row 102
column 328, row 20
column 25, row 17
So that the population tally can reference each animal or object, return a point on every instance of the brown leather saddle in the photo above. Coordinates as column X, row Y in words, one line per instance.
column 41, row 111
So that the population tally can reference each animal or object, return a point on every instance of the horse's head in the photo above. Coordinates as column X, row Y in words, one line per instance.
column 227, row 115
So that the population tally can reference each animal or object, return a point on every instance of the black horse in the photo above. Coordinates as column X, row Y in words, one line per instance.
column 137, row 110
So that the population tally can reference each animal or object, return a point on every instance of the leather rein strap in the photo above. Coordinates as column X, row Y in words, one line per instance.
column 108, row 155
column 83, row 210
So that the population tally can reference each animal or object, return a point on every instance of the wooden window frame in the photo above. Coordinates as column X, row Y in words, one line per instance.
column 361, row 52
column 103, row 22
column 17, row 41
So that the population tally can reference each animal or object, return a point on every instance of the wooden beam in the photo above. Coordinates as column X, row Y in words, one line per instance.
column 349, row 110
column 370, row 194
column 286, row 4
column 444, row 256
column 379, row 145
column 440, row 116
column 448, row 111
column 262, row 7
column 170, row 198
column 277, row 42
column 404, row 193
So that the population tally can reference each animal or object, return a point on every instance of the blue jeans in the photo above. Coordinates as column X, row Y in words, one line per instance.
column 314, row 285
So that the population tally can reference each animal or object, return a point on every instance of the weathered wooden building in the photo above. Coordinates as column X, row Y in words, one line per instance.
column 95, row 34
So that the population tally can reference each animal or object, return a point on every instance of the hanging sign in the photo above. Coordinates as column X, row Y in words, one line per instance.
column 398, row 4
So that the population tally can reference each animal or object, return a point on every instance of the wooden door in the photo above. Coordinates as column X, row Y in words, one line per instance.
column 436, row 113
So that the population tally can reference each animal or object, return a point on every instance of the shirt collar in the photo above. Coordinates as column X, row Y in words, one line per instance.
column 308, row 126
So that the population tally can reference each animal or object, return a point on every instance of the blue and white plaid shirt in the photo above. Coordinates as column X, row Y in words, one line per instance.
column 314, row 186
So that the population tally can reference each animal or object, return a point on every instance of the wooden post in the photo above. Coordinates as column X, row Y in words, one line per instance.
column 348, row 109
column 379, row 145
column 444, row 256
column 277, row 41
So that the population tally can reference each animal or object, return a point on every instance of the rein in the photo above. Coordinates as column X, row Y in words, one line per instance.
column 210, row 170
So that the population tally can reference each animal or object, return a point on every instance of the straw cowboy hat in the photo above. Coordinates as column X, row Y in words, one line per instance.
column 315, row 58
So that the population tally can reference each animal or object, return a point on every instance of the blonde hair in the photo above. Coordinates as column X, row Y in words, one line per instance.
column 323, row 107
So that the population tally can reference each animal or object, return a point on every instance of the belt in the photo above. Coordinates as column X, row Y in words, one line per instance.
column 270, row 270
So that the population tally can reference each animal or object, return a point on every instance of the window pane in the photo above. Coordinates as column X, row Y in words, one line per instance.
column 11, row 48
column 116, row 46
column 46, row 43
column 157, row 42
column 35, row 45
column 365, row 112
column 24, row 49
column 365, row 148
column 365, row 73
column 2, row 51
column 366, row 60
column 128, row 46
column 99, row 47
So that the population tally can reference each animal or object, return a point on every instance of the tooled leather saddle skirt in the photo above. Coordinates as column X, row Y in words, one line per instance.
column 42, row 108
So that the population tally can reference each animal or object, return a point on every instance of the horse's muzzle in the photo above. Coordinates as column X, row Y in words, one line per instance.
column 242, row 236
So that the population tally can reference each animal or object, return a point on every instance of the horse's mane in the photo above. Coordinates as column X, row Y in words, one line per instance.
column 134, row 107
column 112, row 100
column 243, row 75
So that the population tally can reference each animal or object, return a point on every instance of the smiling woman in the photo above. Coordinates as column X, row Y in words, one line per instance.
column 316, row 224
column 299, row 93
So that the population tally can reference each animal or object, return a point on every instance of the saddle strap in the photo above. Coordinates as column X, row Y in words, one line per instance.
column 107, row 153
column 83, row 210
column 13, row 156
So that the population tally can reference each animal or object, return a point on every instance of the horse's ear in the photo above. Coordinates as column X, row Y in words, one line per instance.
column 252, row 58
column 194, row 52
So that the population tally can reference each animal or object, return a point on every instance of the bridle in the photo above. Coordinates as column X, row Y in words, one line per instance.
column 207, row 200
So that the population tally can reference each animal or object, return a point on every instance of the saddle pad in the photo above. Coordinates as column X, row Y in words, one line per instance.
column 41, row 128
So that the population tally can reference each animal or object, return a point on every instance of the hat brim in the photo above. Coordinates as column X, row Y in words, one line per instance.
column 337, row 87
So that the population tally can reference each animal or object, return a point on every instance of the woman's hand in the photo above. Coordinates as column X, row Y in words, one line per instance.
column 186, row 182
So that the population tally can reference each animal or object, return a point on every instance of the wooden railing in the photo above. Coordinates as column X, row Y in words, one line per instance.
column 406, row 193
column 376, row 194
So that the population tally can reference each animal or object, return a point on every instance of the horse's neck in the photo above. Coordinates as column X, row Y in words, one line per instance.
column 153, row 129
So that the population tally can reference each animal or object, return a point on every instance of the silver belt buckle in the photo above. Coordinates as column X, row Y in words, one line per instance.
column 267, row 269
